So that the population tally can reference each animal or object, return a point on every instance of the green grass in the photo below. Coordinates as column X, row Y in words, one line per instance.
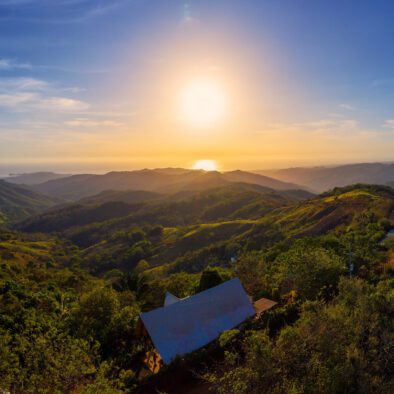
column 352, row 195
column 21, row 252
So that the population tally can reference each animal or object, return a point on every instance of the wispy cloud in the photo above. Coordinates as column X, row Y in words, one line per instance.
column 87, row 123
column 26, row 94
column 10, row 64
column 318, row 125
column 59, row 11
column 15, row 2
column 348, row 107
column 332, row 129
column 383, row 82
column 22, row 84
column 25, row 101
column 389, row 123
column 337, row 132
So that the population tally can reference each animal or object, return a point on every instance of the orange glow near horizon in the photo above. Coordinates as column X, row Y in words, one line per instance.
column 206, row 165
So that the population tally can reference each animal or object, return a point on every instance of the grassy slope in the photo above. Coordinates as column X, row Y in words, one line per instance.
column 17, row 202
column 238, row 201
column 200, row 227
column 38, row 266
column 334, row 212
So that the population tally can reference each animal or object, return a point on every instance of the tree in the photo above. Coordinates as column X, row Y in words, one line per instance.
column 250, row 269
column 310, row 271
column 341, row 347
column 209, row 278
column 142, row 266
column 95, row 313
column 48, row 362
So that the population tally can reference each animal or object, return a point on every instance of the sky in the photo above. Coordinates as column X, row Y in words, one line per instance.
column 93, row 86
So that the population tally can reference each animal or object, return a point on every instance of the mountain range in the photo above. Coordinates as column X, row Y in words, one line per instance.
column 31, row 194
column 34, row 178
column 319, row 179
column 163, row 181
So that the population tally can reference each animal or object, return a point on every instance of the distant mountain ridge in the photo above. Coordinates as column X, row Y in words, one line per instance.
column 321, row 179
column 34, row 178
column 167, row 181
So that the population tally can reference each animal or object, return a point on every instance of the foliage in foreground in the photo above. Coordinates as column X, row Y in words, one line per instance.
column 63, row 330
column 344, row 346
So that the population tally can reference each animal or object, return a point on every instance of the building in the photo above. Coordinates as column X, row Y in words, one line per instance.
column 182, row 326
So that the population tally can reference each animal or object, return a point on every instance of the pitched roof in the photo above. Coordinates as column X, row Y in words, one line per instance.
column 193, row 322
column 170, row 299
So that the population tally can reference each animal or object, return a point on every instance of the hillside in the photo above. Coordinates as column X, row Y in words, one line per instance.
column 159, row 180
column 189, row 233
column 127, row 196
column 233, row 201
column 193, row 248
column 325, row 178
column 91, row 281
column 17, row 202
column 248, row 177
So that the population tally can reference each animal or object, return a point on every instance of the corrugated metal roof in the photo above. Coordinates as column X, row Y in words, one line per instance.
column 193, row 322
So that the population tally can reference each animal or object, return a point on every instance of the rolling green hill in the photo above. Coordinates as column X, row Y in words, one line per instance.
column 18, row 203
column 233, row 201
column 189, row 232
column 193, row 248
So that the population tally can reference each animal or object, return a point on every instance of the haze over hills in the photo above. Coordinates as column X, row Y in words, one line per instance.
column 167, row 181
column 320, row 179
column 34, row 178
column 249, row 177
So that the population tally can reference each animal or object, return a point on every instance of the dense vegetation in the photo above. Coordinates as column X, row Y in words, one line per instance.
column 17, row 202
column 69, row 300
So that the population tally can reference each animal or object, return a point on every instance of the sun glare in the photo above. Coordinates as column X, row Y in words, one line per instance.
column 206, row 165
column 202, row 103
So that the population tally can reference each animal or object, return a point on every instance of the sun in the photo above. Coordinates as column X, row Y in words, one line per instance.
column 202, row 103
column 206, row 165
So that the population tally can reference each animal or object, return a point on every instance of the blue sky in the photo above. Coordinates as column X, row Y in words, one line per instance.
column 79, row 80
